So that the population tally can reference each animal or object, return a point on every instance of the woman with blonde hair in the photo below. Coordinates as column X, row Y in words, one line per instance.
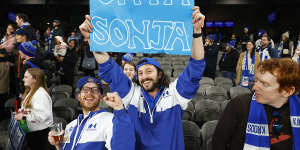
column 36, row 109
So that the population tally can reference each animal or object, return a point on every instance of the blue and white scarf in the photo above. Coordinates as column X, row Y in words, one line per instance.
column 257, row 131
column 263, row 53
column 247, row 73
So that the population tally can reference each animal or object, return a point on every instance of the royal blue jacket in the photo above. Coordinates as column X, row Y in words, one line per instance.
column 160, row 127
column 100, row 130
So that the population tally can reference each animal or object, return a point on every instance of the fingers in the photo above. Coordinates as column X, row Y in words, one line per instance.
column 88, row 17
column 196, row 7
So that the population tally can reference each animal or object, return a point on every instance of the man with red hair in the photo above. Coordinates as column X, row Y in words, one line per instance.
column 269, row 118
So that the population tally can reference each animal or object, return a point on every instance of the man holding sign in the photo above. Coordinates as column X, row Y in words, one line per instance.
column 154, row 104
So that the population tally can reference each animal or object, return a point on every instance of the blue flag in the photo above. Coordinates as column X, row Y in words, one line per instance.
column 142, row 26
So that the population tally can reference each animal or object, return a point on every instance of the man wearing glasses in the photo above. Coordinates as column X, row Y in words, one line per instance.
column 269, row 118
column 96, row 128
column 154, row 104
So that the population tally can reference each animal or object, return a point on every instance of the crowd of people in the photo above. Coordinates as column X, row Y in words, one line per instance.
column 147, row 107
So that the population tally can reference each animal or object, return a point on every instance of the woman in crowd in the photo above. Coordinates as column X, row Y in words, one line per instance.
column 246, row 67
column 286, row 46
column 296, row 56
column 36, row 109
column 129, row 69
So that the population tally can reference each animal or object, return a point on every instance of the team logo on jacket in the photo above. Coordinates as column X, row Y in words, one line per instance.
column 92, row 127
column 166, row 94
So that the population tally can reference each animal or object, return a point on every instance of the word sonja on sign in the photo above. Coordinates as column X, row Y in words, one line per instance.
column 142, row 26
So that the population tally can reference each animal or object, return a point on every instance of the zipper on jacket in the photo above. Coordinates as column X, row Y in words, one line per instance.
column 151, row 113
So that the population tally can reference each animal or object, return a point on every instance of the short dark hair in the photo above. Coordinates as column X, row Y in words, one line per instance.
column 163, row 81
column 23, row 16
column 268, row 37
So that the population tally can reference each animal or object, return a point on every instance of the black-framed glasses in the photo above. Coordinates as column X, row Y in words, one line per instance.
column 93, row 90
column 277, row 123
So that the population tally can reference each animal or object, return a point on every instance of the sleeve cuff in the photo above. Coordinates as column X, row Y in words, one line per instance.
column 120, row 112
column 192, row 60
column 108, row 62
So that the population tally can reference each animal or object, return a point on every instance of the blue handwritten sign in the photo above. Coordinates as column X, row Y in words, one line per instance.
column 142, row 26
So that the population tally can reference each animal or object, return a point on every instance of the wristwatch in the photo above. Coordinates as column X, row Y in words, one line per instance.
column 197, row 35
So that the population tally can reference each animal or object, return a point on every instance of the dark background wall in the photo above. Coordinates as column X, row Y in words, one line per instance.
column 251, row 13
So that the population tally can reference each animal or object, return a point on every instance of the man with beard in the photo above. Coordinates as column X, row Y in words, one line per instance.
column 154, row 104
column 265, row 50
column 96, row 128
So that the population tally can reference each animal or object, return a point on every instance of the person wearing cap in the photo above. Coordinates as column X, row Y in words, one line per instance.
column 28, row 51
column 21, row 35
column 60, row 48
column 286, row 46
column 211, row 56
column 22, row 21
column 128, row 57
column 154, row 104
column 56, row 31
column 228, row 62
column 96, row 128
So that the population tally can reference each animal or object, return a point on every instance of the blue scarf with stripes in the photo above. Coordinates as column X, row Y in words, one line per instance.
column 257, row 131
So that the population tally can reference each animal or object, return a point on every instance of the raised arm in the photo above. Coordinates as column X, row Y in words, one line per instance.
column 188, row 82
column 122, row 135
column 197, row 47
column 109, row 70
column 85, row 29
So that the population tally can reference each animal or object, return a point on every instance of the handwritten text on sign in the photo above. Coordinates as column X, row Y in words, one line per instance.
column 142, row 26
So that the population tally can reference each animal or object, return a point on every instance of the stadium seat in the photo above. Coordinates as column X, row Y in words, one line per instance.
column 207, row 131
column 66, row 113
column 216, row 93
column 206, row 110
column 192, row 135
column 238, row 90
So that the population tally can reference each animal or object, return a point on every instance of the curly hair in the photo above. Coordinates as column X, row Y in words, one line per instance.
column 286, row 71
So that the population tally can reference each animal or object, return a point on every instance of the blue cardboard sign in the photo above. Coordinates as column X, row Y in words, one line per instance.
column 142, row 26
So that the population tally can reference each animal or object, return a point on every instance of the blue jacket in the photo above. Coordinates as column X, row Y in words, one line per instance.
column 159, row 128
column 100, row 130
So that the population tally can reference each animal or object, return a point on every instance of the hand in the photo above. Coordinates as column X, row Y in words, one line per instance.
column 53, row 142
column 285, row 51
column 114, row 100
column 19, row 116
column 198, row 19
column 101, row 57
column 86, row 27
column 60, row 58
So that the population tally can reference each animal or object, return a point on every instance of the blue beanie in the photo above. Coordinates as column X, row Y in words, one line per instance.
column 127, row 57
column 28, row 48
column 150, row 61
column 82, row 81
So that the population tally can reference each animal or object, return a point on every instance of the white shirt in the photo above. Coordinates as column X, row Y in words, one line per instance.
column 41, row 116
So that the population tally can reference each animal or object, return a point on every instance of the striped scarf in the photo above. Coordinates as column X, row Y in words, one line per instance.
column 257, row 132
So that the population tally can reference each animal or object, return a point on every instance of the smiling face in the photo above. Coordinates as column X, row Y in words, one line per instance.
column 249, row 46
column 19, row 21
column 129, row 70
column 90, row 97
column 148, row 77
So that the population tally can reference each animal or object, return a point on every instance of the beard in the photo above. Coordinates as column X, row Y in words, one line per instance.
column 155, row 84
column 92, row 106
